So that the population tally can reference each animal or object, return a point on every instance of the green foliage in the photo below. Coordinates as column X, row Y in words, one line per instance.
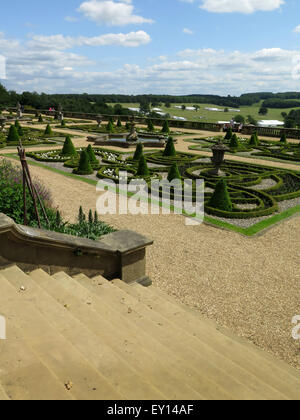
column 69, row 148
column 166, row 128
column 234, row 142
column 283, row 139
column 13, row 136
column 110, row 127
column 127, row 126
column 20, row 131
column 239, row 119
column 228, row 134
column 170, row 150
column 17, row 124
column 174, row 173
column 138, row 152
column 40, row 119
column 143, row 169
column 150, row 126
column 254, row 140
column 91, row 154
column 63, row 123
column 119, row 123
column 84, row 167
column 48, row 131
column 221, row 199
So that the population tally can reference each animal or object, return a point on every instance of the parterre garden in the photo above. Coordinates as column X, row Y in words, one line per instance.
column 243, row 192
column 254, row 147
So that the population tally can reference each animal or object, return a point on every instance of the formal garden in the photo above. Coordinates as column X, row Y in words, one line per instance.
column 242, row 195
column 11, row 136
column 253, row 147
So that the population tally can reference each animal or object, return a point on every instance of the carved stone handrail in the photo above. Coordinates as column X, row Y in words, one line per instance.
column 117, row 255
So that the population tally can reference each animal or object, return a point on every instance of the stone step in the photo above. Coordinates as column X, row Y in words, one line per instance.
column 273, row 373
column 3, row 395
column 23, row 375
column 149, row 364
column 102, row 329
column 206, row 361
column 58, row 354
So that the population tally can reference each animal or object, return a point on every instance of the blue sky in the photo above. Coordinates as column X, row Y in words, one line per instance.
column 151, row 46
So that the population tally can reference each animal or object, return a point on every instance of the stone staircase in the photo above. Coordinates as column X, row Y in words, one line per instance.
column 79, row 338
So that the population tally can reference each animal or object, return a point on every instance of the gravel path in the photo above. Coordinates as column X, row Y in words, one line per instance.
column 250, row 285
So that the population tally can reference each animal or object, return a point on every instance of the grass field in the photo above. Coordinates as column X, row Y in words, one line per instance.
column 214, row 116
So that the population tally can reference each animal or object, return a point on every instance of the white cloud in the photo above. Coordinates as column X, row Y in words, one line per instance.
column 60, row 42
column 113, row 13
column 188, row 31
column 297, row 29
column 240, row 6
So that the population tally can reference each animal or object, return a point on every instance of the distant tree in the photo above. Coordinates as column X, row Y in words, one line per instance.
column 284, row 114
column 263, row 111
column 251, row 120
column 145, row 107
column 226, row 110
column 197, row 107
column 240, row 119
column 183, row 107
column 168, row 104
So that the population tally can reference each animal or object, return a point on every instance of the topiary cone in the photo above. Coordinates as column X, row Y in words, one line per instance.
column 48, row 131
column 69, row 148
column 150, row 126
column 170, row 148
column 166, row 128
column 234, row 142
column 283, row 139
column 228, row 134
column 13, row 135
column 110, row 127
column 138, row 152
column 143, row 169
column 91, row 154
column 221, row 199
column 174, row 173
column 84, row 167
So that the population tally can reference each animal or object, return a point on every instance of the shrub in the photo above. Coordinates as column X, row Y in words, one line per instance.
column 221, row 199
column 84, row 167
column 143, row 169
column 165, row 128
column 138, row 152
column 69, row 148
column 48, row 131
column 174, row 173
column 40, row 119
column 170, row 148
column 13, row 136
column 127, row 126
column 234, row 142
column 119, row 123
column 283, row 139
column 17, row 124
column 91, row 154
column 63, row 123
column 150, row 126
column 110, row 127
column 228, row 134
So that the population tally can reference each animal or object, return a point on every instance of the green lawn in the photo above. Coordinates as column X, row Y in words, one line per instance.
column 214, row 116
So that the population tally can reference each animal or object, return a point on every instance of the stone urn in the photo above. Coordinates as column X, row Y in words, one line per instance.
column 133, row 136
column 99, row 120
column 218, row 160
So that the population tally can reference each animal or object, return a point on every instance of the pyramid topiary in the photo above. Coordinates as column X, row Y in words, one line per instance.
column 41, row 119
column 13, row 136
column 283, row 139
column 20, row 131
column 234, row 142
column 138, row 152
column 150, row 126
column 228, row 134
column 143, row 169
column 68, row 149
column 119, row 123
column 63, row 123
column 170, row 148
column 127, row 126
column 17, row 124
column 166, row 128
column 48, row 131
column 254, row 140
column 91, row 154
column 174, row 173
column 221, row 199
column 84, row 167
column 110, row 127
